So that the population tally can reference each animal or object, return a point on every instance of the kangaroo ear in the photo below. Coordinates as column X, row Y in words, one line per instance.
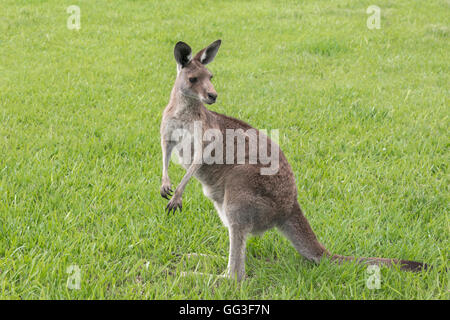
column 182, row 53
column 207, row 55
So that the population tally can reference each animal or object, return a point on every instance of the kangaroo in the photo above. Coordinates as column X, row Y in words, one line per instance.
column 247, row 201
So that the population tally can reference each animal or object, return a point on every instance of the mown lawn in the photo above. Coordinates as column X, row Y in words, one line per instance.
column 363, row 118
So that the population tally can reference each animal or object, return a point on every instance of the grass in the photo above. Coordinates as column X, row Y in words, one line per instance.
column 363, row 118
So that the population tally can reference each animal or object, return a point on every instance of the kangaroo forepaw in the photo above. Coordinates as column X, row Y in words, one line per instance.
column 166, row 191
column 174, row 204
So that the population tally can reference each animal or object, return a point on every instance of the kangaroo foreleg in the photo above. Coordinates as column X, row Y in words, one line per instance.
column 176, row 201
column 166, row 187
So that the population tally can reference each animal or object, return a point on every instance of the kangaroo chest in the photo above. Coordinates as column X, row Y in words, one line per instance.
column 186, row 133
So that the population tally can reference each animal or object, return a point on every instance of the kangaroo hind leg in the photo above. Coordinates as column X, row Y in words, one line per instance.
column 236, row 258
column 297, row 229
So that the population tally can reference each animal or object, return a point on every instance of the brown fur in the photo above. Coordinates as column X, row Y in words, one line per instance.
column 247, row 201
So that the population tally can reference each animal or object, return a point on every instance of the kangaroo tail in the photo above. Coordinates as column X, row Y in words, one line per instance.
column 405, row 265
column 297, row 229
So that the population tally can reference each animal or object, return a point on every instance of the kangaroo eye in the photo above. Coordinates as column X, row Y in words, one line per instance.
column 192, row 80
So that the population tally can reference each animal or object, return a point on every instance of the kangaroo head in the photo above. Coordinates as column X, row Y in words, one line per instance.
column 194, row 79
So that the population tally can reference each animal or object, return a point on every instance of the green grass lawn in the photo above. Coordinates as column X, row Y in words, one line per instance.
column 363, row 117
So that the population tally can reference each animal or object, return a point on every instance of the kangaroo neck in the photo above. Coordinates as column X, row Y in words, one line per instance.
column 183, row 104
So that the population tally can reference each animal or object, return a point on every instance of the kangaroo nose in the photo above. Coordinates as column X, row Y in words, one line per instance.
column 212, row 96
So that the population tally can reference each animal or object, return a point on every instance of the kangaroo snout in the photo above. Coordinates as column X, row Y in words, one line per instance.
column 212, row 96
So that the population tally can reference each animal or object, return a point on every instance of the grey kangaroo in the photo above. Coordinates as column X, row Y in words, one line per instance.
column 247, row 201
